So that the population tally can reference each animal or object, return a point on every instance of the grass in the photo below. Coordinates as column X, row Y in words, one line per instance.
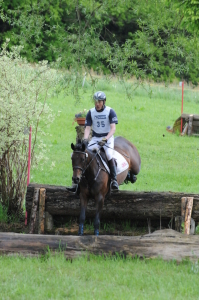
column 169, row 161
column 95, row 277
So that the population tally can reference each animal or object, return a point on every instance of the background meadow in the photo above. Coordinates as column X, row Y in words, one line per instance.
column 169, row 162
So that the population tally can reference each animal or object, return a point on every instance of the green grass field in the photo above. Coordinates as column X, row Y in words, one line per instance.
column 96, row 278
column 169, row 162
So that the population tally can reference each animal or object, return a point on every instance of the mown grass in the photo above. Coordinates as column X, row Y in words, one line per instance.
column 94, row 277
column 169, row 162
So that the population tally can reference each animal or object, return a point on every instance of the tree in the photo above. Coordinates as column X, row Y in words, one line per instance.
column 189, row 12
column 24, row 90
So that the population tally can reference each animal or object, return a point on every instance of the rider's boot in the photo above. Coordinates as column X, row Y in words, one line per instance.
column 114, row 184
column 72, row 189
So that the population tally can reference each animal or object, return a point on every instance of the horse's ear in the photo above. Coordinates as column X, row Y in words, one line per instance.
column 72, row 146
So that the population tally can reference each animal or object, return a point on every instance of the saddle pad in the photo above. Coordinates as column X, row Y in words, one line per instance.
column 122, row 164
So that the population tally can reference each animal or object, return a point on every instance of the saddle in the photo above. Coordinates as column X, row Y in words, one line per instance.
column 120, row 161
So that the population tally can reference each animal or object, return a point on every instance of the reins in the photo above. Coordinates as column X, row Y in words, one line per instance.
column 110, row 148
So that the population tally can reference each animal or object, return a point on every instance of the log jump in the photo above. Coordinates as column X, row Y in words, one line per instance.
column 122, row 205
column 167, row 244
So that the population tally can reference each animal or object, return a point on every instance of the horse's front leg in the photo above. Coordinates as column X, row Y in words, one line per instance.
column 99, row 206
column 83, row 203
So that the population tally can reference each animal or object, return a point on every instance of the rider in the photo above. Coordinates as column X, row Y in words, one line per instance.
column 103, row 120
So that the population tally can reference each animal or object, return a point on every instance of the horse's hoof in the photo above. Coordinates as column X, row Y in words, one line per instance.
column 96, row 232
column 134, row 178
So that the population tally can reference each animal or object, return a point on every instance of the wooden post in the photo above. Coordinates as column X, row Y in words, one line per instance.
column 41, row 211
column 190, row 125
column 149, row 225
column 49, row 225
column 188, row 212
column 193, row 226
column 183, row 206
column 33, row 216
column 184, row 132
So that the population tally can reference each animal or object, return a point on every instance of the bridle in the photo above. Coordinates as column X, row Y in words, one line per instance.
column 77, row 167
column 84, row 170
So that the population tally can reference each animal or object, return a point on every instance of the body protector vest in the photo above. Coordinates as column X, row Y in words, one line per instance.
column 100, row 121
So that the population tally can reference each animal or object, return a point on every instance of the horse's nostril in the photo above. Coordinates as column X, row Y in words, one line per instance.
column 75, row 180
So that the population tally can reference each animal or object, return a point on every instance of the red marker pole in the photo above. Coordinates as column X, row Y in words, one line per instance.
column 182, row 102
column 29, row 164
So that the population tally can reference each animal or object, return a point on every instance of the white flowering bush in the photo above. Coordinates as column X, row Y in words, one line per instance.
column 24, row 89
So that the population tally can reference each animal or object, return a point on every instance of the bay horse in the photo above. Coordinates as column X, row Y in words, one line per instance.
column 93, row 178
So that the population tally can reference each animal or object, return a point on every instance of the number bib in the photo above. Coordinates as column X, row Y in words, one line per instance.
column 100, row 120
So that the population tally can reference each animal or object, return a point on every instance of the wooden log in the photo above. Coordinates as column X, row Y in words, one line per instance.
column 123, row 205
column 188, row 212
column 33, row 216
column 186, row 116
column 42, row 211
column 167, row 244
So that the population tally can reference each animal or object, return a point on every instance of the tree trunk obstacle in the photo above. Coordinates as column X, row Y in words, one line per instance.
column 167, row 244
column 190, row 123
column 122, row 206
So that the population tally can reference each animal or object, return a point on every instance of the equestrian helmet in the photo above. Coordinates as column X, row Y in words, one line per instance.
column 99, row 96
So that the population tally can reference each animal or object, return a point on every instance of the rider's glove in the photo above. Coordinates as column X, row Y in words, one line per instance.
column 85, row 142
column 102, row 142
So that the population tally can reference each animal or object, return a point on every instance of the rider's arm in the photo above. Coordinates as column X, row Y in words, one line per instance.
column 112, row 131
column 87, row 132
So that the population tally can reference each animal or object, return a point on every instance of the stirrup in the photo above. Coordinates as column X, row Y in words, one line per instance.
column 72, row 189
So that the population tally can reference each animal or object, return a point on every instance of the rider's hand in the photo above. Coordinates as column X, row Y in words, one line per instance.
column 102, row 142
column 85, row 142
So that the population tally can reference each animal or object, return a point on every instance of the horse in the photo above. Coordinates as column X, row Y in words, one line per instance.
column 93, row 179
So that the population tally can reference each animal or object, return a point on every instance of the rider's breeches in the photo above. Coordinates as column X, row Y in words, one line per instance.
column 108, row 151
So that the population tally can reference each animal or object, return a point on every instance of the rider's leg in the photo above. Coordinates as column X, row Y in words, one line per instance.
column 113, row 175
column 109, row 154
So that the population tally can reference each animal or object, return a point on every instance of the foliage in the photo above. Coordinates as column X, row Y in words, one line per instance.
column 24, row 90
column 189, row 12
column 81, row 114
column 141, row 38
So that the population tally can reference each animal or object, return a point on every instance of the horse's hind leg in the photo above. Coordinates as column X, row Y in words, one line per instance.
column 82, row 215
column 99, row 206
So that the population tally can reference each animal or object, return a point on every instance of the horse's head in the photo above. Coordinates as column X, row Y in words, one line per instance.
column 79, row 161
